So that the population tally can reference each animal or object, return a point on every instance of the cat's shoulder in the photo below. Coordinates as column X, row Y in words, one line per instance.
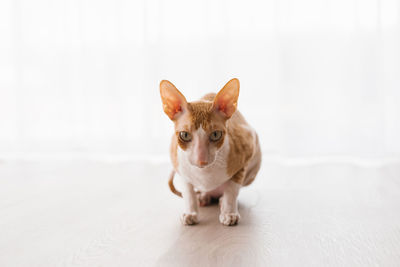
column 241, row 142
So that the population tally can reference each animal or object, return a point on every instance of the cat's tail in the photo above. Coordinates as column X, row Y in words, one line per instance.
column 171, row 184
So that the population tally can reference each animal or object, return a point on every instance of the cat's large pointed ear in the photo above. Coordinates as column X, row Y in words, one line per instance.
column 225, row 101
column 174, row 103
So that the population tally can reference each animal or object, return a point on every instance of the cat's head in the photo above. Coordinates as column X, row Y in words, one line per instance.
column 200, row 126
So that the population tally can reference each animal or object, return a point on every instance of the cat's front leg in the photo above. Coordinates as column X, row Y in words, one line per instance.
column 189, row 217
column 229, row 207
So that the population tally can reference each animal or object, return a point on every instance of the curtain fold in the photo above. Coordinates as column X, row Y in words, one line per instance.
column 318, row 78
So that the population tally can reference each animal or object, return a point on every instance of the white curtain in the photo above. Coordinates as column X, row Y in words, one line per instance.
column 318, row 77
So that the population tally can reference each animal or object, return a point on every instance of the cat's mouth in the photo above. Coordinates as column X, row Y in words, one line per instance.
column 203, row 165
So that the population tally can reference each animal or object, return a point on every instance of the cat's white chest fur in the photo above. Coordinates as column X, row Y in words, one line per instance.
column 207, row 178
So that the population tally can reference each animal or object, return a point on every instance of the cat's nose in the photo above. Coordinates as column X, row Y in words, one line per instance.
column 203, row 163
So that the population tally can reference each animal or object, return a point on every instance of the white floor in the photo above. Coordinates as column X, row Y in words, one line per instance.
column 85, row 213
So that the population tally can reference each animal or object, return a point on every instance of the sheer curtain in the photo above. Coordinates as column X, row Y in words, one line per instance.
column 318, row 77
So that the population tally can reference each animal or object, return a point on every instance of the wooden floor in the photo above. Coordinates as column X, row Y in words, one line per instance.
column 85, row 213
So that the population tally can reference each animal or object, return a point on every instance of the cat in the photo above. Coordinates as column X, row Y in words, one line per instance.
column 213, row 149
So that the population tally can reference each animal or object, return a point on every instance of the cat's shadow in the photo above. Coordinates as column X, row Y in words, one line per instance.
column 210, row 243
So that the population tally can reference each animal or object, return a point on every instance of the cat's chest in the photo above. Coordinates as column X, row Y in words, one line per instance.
column 204, row 179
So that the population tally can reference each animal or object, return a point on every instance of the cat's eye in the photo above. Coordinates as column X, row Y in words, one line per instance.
column 185, row 136
column 215, row 136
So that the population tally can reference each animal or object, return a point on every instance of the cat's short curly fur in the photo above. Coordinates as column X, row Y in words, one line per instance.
column 213, row 148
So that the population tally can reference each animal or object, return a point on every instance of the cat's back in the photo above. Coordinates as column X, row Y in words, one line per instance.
column 244, row 146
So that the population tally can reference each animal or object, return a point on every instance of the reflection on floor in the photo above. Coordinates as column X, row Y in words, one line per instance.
column 86, row 213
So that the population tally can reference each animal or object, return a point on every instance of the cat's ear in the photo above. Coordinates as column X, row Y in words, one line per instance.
column 225, row 101
column 174, row 103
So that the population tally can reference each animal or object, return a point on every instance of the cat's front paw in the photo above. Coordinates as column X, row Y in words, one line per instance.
column 229, row 219
column 189, row 218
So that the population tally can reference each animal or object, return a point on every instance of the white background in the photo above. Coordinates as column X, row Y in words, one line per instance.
column 319, row 78
column 320, row 82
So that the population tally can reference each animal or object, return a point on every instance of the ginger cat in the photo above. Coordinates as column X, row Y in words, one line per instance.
column 214, row 150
